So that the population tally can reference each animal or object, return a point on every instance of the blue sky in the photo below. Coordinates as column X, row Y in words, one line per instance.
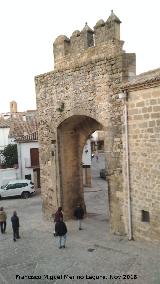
column 29, row 28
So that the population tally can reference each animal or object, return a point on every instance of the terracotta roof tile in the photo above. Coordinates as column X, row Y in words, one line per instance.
column 5, row 123
column 20, row 128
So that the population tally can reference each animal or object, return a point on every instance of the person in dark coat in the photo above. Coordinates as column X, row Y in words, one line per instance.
column 15, row 226
column 61, row 230
column 79, row 214
column 57, row 217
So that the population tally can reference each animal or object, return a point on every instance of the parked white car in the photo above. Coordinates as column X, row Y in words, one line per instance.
column 23, row 188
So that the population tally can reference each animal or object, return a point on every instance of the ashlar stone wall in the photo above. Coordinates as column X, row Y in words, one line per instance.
column 144, row 154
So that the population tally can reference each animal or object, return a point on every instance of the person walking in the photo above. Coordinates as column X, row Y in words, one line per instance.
column 3, row 218
column 58, row 216
column 79, row 214
column 61, row 231
column 15, row 226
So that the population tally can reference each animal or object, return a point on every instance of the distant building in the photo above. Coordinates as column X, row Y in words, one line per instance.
column 97, row 141
column 13, row 107
column 4, row 132
column 21, row 128
column 28, row 157
column 14, row 113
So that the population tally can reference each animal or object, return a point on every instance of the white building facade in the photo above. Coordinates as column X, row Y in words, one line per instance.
column 28, row 158
column 4, row 132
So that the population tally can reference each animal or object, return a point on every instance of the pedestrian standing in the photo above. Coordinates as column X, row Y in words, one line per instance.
column 3, row 218
column 79, row 214
column 15, row 226
column 58, row 216
column 61, row 230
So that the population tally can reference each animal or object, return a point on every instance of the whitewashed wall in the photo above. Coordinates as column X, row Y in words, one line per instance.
column 24, row 160
column 8, row 174
column 4, row 137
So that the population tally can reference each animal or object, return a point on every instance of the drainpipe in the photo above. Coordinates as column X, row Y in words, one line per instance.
column 124, row 96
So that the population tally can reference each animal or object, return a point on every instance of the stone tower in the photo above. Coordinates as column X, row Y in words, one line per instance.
column 79, row 97
column 13, row 107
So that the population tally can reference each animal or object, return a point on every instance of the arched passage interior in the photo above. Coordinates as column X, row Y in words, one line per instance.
column 72, row 135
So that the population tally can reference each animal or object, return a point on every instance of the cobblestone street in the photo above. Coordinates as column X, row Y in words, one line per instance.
column 90, row 252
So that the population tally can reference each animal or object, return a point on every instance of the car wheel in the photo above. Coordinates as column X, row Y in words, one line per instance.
column 0, row 197
column 25, row 194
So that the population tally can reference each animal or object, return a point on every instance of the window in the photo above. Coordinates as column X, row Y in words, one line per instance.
column 28, row 176
column 24, row 184
column 145, row 216
column 11, row 186
column 3, row 186
column 18, row 185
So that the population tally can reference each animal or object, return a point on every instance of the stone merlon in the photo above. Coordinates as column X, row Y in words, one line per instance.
column 104, row 33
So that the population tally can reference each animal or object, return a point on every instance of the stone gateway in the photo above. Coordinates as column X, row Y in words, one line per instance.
column 81, row 96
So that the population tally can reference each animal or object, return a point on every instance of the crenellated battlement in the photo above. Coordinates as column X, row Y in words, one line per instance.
column 105, row 38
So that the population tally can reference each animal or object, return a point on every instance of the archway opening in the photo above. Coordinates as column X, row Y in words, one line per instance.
column 94, row 177
column 72, row 136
